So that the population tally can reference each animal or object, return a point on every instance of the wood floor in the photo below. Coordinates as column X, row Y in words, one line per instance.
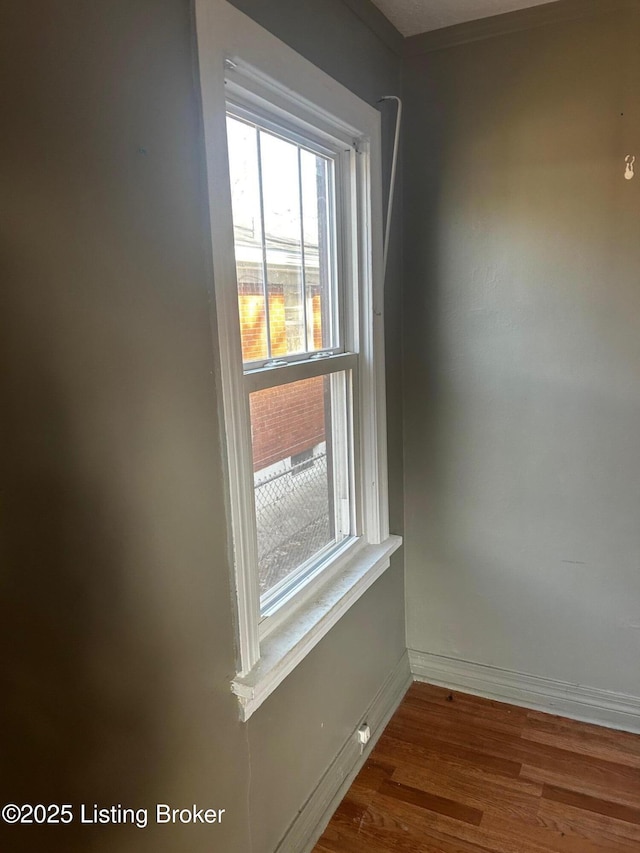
column 456, row 774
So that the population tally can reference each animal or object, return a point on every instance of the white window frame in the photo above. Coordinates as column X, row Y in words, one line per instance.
column 238, row 58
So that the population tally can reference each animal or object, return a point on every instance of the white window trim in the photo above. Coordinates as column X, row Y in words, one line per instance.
column 228, row 39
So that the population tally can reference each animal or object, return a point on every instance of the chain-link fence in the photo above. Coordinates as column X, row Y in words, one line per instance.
column 292, row 513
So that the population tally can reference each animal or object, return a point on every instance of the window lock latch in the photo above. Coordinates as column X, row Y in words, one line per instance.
column 319, row 355
column 277, row 362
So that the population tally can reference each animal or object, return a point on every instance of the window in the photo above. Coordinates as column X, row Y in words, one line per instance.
column 293, row 166
column 292, row 294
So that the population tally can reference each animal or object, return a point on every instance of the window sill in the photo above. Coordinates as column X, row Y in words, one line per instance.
column 283, row 649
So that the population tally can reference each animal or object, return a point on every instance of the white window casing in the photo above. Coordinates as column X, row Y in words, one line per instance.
column 244, row 65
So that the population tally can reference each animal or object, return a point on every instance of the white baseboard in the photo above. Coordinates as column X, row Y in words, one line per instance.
column 589, row 704
column 314, row 816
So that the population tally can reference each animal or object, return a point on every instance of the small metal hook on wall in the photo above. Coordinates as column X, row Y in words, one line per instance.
column 629, row 171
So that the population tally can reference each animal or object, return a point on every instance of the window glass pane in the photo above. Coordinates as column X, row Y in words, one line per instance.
column 301, row 475
column 247, row 232
column 317, row 208
column 283, row 238
column 284, row 230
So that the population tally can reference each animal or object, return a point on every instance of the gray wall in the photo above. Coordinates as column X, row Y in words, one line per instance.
column 118, row 642
column 522, row 352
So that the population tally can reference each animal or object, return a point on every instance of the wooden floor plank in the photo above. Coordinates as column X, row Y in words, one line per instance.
column 373, row 774
column 459, row 774
column 374, row 828
column 471, row 705
column 583, row 738
column 443, row 718
column 615, row 782
column 387, row 824
column 390, row 825
column 470, row 789
column 408, row 751
column 619, row 835
column 431, row 802
column 543, row 762
column 628, row 814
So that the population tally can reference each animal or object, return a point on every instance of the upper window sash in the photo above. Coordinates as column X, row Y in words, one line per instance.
column 337, row 259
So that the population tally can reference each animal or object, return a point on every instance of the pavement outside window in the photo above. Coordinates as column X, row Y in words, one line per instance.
column 293, row 518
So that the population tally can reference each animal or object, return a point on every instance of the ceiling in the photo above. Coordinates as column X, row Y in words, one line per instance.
column 419, row 16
